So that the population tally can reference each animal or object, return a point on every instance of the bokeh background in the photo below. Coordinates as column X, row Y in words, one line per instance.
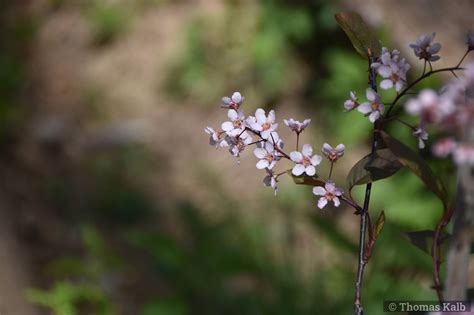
column 112, row 201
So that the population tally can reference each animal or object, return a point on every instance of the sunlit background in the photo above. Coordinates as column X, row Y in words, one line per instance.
column 112, row 201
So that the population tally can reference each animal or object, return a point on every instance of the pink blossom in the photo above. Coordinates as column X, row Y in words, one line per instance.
column 463, row 154
column 421, row 134
column 392, row 69
column 296, row 125
column 232, row 102
column 328, row 193
column 425, row 49
column 305, row 161
column 238, row 143
column 333, row 154
column 267, row 155
column 236, row 124
column 351, row 103
column 262, row 123
column 374, row 109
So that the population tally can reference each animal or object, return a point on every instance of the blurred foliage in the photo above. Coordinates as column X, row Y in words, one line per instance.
column 78, row 288
column 108, row 21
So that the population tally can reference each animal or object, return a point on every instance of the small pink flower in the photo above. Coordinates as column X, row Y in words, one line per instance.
column 329, row 193
column 236, row 124
column 351, row 103
column 305, row 162
column 374, row 109
column 425, row 49
column 444, row 147
column 422, row 136
column 333, row 154
column 262, row 123
column 392, row 69
column 238, row 143
column 267, row 155
column 296, row 125
column 429, row 106
column 233, row 102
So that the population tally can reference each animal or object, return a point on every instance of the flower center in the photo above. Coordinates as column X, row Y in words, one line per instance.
column 395, row 77
column 270, row 157
column 329, row 196
column 375, row 106
column 266, row 126
column 332, row 156
column 306, row 161
column 237, row 123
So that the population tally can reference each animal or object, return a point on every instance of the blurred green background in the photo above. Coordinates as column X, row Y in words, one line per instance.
column 112, row 202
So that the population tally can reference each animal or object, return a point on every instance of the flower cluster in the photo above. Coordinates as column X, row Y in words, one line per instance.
column 392, row 69
column 237, row 132
column 452, row 110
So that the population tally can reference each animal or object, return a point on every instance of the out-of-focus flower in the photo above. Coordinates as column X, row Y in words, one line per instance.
column 296, row 125
column 470, row 40
column 374, row 109
column 444, row 147
column 213, row 136
column 463, row 154
column 425, row 49
column 328, row 193
column 236, row 124
column 430, row 107
column 238, row 143
column 262, row 123
column 267, row 155
column 333, row 154
column 351, row 103
column 305, row 161
column 233, row 102
column 271, row 180
column 421, row 134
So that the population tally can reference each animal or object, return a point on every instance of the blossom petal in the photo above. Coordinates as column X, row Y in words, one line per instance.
column 370, row 94
column 385, row 71
column 260, row 116
column 316, row 160
column 232, row 114
column 336, row 201
column 260, row 153
column 319, row 191
column 330, row 186
column 365, row 108
column 340, row 148
column 310, row 170
column 386, row 84
column 237, row 97
column 296, row 156
column 326, row 149
column 298, row 169
column 307, row 150
column 271, row 116
column 374, row 116
column 227, row 126
column 322, row 202
column 262, row 164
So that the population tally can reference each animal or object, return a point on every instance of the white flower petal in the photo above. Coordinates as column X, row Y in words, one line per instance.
column 365, row 108
column 336, row 201
column 316, row 160
column 322, row 202
column 237, row 97
column 307, row 150
column 374, row 116
column 260, row 116
column 319, row 191
column 298, row 169
column 370, row 94
column 232, row 114
column 386, row 84
column 340, row 148
column 330, row 186
column 227, row 126
column 326, row 149
column 310, row 170
column 260, row 153
column 271, row 116
column 296, row 156
column 262, row 164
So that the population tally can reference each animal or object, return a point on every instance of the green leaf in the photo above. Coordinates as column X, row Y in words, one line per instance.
column 424, row 240
column 361, row 35
column 307, row 180
column 379, row 225
column 418, row 166
column 373, row 167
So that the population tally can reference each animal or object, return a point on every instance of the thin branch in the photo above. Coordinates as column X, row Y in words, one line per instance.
column 358, row 308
